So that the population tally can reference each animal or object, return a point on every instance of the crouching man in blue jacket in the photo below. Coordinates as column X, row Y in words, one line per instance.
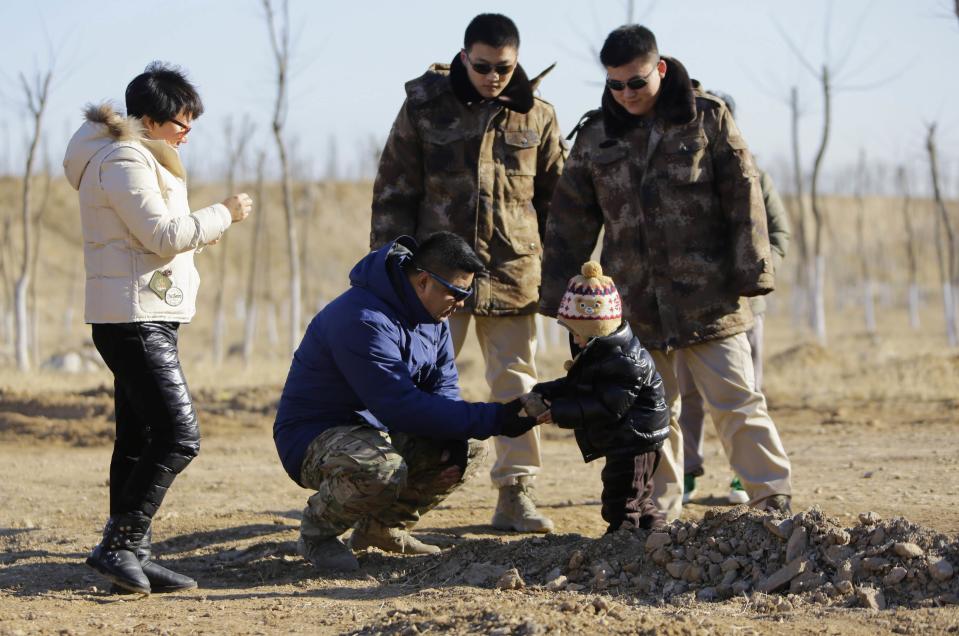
column 371, row 416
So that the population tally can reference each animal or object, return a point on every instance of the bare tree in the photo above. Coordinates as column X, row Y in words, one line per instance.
column 826, row 74
column 902, row 185
column 37, row 93
column 280, row 44
column 236, row 141
column 868, row 296
column 819, row 265
column 34, row 264
column 801, row 291
column 249, row 334
column 946, row 255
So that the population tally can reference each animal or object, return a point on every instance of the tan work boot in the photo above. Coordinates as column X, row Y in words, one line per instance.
column 372, row 533
column 516, row 511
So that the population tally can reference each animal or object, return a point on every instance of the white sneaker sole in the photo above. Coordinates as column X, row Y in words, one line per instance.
column 737, row 497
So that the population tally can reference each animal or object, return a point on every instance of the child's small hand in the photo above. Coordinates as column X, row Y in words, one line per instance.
column 545, row 418
column 533, row 404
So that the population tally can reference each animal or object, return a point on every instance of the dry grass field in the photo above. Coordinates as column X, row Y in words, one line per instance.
column 869, row 422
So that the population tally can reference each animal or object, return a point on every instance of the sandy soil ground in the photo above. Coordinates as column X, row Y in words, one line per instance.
column 869, row 425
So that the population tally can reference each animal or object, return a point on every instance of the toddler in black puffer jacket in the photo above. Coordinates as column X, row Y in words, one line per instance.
column 612, row 397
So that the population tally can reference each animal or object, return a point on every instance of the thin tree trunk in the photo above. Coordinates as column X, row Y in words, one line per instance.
column 34, row 264
column 37, row 102
column 249, row 334
column 236, row 141
column 911, row 258
column 280, row 42
column 868, row 297
column 819, row 282
column 947, row 256
column 802, row 290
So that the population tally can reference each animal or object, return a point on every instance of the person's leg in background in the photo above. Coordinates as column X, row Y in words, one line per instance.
column 692, row 421
column 668, row 478
column 723, row 371
column 755, row 337
column 508, row 344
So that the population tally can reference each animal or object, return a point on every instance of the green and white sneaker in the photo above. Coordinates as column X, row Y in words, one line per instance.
column 737, row 494
column 689, row 487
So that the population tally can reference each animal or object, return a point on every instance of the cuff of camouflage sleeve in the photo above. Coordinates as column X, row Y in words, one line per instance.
column 764, row 284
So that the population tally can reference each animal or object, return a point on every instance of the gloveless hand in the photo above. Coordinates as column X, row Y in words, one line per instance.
column 239, row 205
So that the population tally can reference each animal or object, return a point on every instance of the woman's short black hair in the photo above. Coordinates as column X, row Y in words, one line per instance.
column 160, row 92
column 493, row 29
column 446, row 254
column 627, row 43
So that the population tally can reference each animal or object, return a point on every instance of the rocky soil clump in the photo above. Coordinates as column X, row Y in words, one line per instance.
column 774, row 562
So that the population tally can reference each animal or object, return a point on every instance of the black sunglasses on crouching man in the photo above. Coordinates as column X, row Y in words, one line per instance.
column 458, row 293
column 634, row 83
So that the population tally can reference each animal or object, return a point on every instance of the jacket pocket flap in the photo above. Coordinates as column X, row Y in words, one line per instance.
column 684, row 146
column 611, row 154
column 521, row 138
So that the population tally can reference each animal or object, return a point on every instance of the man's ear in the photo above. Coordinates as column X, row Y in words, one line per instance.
column 463, row 57
column 661, row 67
column 420, row 280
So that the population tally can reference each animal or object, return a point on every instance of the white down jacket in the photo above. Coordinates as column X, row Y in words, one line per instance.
column 136, row 221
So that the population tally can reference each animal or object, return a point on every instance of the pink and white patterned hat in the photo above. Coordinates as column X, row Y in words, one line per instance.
column 591, row 306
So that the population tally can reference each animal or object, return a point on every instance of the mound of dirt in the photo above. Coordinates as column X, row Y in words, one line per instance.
column 776, row 562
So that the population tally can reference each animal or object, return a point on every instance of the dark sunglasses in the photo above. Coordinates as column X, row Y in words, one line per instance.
column 459, row 294
column 485, row 68
column 635, row 83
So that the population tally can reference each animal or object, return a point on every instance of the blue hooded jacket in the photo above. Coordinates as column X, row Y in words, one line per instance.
column 375, row 354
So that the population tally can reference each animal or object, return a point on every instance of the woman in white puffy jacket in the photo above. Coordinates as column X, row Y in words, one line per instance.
column 139, row 239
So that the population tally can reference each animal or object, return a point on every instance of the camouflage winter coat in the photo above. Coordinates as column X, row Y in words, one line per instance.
column 685, row 227
column 777, row 221
column 482, row 169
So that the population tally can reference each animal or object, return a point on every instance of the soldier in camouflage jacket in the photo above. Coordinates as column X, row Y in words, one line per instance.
column 474, row 152
column 685, row 224
column 483, row 169
column 663, row 168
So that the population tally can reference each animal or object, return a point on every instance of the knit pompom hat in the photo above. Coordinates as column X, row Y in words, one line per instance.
column 591, row 306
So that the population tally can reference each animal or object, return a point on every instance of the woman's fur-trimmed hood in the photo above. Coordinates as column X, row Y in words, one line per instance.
column 118, row 127
column 104, row 126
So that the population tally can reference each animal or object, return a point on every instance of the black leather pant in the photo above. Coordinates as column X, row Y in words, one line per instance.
column 156, row 425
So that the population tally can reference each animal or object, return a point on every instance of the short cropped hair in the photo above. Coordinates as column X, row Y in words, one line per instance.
column 493, row 29
column 445, row 254
column 627, row 43
column 160, row 92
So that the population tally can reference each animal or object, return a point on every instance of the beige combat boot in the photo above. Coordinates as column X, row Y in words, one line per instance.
column 371, row 533
column 516, row 511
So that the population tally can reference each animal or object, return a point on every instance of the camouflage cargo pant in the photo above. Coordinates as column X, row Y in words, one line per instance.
column 359, row 472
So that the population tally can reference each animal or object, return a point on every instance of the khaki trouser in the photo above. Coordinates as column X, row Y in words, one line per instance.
column 508, row 344
column 692, row 416
column 723, row 373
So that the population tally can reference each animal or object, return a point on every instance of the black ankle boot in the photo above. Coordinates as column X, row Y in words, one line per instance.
column 161, row 579
column 115, row 556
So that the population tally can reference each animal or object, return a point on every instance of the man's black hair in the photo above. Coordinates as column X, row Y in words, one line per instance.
column 160, row 92
column 627, row 43
column 493, row 29
column 445, row 254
